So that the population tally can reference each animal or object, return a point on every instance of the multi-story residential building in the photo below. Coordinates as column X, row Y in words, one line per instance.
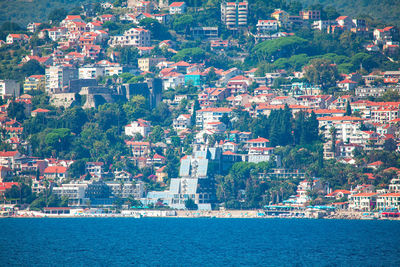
column 173, row 80
column 90, row 72
column 95, row 169
column 13, row 38
column 9, row 88
column 345, row 127
column 389, row 201
column 234, row 14
column 140, row 126
column 34, row 83
column 310, row 14
column 322, row 25
column 9, row 158
column 122, row 176
column 56, row 33
column 127, row 189
column 394, row 185
column 32, row 27
column 363, row 201
column 282, row 17
column 74, row 192
column 385, row 114
column 366, row 91
column 57, row 77
column 204, row 32
column 267, row 26
column 207, row 115
column 177, row 8
column 385, row 34
column 182, row 122
column 57, row 173
column 145, row 64
column 133, row 37
column 139, row 149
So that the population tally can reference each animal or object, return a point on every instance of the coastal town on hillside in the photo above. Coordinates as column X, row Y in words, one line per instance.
column 175, row 108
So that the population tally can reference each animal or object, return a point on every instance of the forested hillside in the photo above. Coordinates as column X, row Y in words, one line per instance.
column 20, row 11
column 25, row 11
column 381, row 10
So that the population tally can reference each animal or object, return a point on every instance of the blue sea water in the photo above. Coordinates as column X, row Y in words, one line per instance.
column 198, row 242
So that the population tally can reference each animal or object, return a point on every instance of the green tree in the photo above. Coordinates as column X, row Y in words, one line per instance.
column 57, row 15
column 136, row 108
column 16, row 110
column 32, row 67
column 190, row 204
column 157, row 134
column 348, row 109
column 321, row 72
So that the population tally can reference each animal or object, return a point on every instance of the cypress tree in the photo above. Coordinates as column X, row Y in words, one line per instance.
column 348, row 109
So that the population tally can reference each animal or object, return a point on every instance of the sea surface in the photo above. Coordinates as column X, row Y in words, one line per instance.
column 198, row 242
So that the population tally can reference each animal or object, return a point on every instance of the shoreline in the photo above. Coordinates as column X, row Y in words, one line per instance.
column 229, row 214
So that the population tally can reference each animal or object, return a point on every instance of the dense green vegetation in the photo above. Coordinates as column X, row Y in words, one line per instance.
column 20, row 11
column 385, row 11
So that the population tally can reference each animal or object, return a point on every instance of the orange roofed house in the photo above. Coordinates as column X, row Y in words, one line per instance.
column 56, row 173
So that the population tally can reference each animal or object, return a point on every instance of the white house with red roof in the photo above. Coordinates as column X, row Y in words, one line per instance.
column 57, row 173
column 338, row 194
column 345, row 22
column 215, row 126
column 385, row 34
column 375, row 165
column 140, row 126
column 347, row 85
column 138, row 149
column 133, row 37
column 385, row 114
column 238, row 85
column 173, row 80
column 56, row 33
column 267, row 26
column 182, row 122
column 259, row 142
column 229, row 146
column 177, row 8
column 9, row 158
column 37, row 111
column 16, row 38
column 71, row 18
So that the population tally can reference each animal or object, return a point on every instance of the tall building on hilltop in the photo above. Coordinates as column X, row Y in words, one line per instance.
column 234, row 14
column 58, row 77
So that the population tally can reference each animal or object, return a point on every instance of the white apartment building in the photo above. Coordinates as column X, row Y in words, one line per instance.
column 126, row 190
column 234, row 14
column 91, row 72
column 74, row 192
column 182, row 122
column 363, row 201
column 177, row 8
column 346, row 127
column 140, row 126
column 9, row 88
column 58, row 76
column 204, row 116
column 267, row 26
column 136, row 37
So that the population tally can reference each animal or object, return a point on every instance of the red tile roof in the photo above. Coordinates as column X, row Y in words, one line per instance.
column 55, row 169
